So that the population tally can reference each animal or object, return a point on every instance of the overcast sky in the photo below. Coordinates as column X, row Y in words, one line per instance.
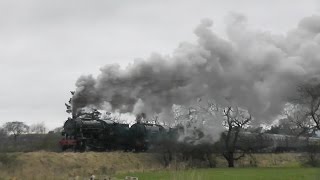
column 46, row 45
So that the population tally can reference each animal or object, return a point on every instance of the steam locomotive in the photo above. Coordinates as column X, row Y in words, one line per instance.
column 94, row 134
column 81, row 134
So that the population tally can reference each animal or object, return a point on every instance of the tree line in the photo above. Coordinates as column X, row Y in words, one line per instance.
column 17, row 136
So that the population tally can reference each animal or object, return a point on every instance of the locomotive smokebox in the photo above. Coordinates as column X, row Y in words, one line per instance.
column 70, row 126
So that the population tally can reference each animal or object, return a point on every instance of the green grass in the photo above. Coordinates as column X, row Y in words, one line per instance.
column 232, row 174
column 61, row 166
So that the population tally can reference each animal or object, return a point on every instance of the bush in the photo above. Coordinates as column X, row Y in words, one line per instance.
column 8, row 159
column 313, row 155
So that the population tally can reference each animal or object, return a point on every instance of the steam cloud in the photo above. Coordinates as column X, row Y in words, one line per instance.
column 255, row 70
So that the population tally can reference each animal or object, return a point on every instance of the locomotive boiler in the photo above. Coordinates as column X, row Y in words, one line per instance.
column 81, row 134
column 144, row 135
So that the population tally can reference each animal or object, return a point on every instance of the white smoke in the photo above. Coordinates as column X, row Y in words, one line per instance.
column 202, row 123
column 253, row 69
column 138, row 107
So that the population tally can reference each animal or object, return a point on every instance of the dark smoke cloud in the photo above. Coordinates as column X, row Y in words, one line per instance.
column 255, row 70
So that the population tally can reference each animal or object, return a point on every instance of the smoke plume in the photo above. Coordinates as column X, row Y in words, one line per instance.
column 253, row 69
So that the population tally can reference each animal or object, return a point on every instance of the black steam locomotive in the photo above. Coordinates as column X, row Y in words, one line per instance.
column 81, row 134
column 92, row 133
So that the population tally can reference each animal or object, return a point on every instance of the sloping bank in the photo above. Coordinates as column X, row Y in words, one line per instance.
column 50, row 165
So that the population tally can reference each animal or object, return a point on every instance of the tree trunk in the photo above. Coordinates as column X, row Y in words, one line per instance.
column 230, row 159
column 231, row 163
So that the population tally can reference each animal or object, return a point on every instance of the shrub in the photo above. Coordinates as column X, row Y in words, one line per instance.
column 8, row 159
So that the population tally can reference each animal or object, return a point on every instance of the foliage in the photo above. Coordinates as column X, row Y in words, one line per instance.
column 3, row 133
column 7, row 159
column 38, row 128
column 286, row 127
column 16, row 128
column 31, row 142
column 313, row 155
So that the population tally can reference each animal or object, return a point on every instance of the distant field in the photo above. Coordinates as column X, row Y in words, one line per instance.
column 232, row 174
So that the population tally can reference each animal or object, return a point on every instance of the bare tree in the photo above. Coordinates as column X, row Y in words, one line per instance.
column 38, row 128
column 304, row 110
column 235, row 120
column 16, row 128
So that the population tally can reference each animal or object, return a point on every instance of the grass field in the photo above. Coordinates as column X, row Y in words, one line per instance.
column 78, row 166
column 232, row 174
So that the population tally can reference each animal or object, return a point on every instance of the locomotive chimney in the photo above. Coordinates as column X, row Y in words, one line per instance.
column 140, row 117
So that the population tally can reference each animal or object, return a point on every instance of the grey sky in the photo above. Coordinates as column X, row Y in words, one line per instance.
column 46, row 45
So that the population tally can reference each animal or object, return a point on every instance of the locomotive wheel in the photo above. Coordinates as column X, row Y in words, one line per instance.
column 127, row 149
column 136, row 150
column 83, row 149
column 80, row 147
column 64, row 148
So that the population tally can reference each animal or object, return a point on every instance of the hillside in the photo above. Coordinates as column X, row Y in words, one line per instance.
column 69, row 165
column 50, row 165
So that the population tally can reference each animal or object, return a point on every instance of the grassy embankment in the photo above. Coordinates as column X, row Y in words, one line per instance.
column 49, row 165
